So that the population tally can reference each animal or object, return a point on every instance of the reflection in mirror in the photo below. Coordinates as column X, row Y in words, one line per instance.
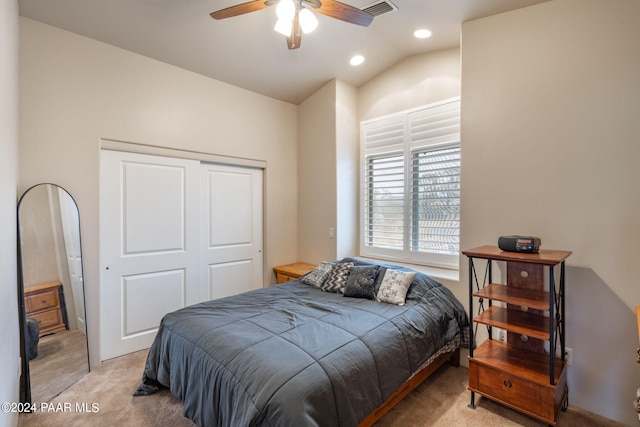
column 54, row 327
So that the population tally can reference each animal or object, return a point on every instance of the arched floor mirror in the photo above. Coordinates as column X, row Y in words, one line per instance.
column 54, row 345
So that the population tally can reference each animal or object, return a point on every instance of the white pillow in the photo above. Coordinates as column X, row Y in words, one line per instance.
column 394, row 286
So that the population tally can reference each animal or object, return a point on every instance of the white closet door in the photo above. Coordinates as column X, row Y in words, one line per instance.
column 149, row 248
column 232, row 224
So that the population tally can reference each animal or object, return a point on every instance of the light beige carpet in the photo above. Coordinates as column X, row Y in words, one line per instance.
column 440, row 401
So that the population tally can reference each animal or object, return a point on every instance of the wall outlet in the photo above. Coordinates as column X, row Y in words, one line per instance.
column 502, row 335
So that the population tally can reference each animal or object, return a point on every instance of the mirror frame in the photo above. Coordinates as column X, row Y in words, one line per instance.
column 25, row 378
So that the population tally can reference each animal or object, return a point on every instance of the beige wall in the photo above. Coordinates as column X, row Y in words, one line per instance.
column 317, row 200
column 328, row 173
column 9, row 337
column 416, row 81
column 550, row 99
column 75, row 91
column 347, row 161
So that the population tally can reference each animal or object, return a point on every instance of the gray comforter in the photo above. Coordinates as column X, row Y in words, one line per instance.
column 292, row 355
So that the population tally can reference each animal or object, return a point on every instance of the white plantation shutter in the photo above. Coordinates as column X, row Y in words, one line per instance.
column 436, row 125
column 385, row 205
column 411, row 186
column 435, row 202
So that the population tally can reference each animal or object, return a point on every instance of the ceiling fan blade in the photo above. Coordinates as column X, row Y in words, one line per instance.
column 294, row 40
column 240, row 9
column 344, row 12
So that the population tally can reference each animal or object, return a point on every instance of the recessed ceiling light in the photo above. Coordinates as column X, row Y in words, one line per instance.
column 422, row 34
column 356, row 60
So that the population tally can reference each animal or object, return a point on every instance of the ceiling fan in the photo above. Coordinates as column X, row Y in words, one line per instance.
column 295, row 16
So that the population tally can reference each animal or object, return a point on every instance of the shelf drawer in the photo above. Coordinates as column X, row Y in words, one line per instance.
column 509, row 389
column 42, row 301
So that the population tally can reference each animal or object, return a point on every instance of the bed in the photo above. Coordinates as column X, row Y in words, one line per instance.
column 298, row 354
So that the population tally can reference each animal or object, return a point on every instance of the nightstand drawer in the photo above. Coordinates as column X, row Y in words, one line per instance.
column 49, row 319
column 281, row 278
column 510, row 389
column 42, row 300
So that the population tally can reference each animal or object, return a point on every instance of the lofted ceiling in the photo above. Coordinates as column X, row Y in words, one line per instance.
column 245, row 51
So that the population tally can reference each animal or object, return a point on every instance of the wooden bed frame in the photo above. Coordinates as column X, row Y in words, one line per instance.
column 413, row 382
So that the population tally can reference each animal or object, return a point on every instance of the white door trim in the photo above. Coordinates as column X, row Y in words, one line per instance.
column 134, row 147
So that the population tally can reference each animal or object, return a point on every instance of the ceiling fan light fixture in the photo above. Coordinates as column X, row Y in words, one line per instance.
column 308, row 21
column 295, row 16
column 284, row 26
column 286, row 9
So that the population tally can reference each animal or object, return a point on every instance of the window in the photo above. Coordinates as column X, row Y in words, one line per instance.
column 411, row 186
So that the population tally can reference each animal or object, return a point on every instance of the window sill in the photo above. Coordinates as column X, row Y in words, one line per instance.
column 438, row 273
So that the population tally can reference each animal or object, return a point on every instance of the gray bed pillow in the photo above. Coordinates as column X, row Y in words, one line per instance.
column 378, row 280
column 318, row 275
column 361, row 282
column 338, row 276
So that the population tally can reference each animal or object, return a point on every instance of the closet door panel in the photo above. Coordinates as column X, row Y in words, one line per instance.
column 153, row 199
column 150, row 296
column 232, row 205
column 231, row 278
column 149, row 252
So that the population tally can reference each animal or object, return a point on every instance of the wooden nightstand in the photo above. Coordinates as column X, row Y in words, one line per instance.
column 44, row 303
column 284, row 273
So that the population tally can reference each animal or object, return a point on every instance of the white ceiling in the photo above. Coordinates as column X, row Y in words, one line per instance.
column 245, row 51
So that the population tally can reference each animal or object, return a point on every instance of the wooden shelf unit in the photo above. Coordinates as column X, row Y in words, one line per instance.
column 523, row 372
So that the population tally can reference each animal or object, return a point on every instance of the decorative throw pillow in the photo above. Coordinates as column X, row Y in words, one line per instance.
column 360, row 283
column 394, row 286
column 338, row 276
column 318, row 275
